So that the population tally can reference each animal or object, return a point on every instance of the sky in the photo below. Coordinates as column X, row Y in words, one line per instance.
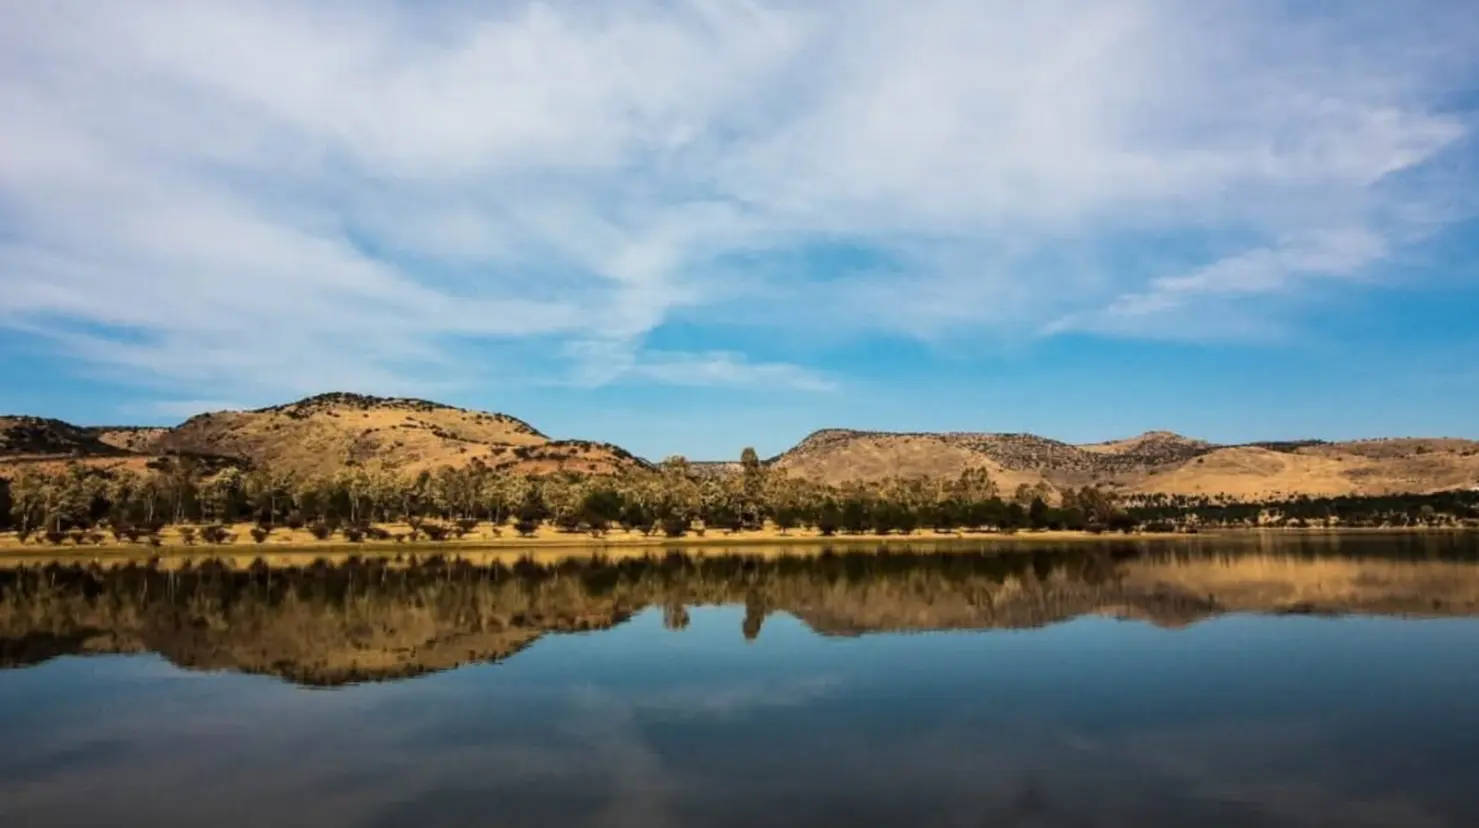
column 690, row 227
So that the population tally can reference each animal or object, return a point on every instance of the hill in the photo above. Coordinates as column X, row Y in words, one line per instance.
column 1156, row 462
column 37, row 437
column 322, row 434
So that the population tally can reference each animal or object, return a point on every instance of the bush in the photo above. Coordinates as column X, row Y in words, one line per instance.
column 526, row 528
column 260, row 533
column 215, row 533
column 435, row 532
column 675, row 527
column 376, row 533
column 906, row 522
column 353, row 534
column 187, row 534
column 320, row 530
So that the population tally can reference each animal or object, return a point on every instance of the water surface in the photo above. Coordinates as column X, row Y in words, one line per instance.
column 1299, row 681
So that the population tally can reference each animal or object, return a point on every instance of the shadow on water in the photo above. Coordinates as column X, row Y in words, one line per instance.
column 370, row 619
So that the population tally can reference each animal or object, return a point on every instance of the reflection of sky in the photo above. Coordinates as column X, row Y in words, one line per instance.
column 1243, row 721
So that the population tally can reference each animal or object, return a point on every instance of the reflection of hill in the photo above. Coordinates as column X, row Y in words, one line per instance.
column 328, row 625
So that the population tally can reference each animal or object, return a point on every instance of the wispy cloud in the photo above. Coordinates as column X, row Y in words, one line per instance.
column 245, row 199
column 727, row 369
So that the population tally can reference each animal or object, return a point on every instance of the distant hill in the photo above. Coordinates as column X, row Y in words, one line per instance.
column 37, row 437
column 1154, row 462
column 322, row 434
column 328, row 432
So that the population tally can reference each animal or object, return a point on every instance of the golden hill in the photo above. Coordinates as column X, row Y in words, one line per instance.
column 323, row 434
column 1153, row 463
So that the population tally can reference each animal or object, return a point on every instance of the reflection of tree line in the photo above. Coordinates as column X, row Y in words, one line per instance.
column 379, row 618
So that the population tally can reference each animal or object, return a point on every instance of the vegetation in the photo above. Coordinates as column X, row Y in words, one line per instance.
column 1460, row 507
column 674, row 499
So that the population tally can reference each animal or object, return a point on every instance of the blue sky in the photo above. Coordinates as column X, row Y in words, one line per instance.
column 690, row 227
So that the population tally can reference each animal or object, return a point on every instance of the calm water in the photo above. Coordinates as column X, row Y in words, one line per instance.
column 1301, row 682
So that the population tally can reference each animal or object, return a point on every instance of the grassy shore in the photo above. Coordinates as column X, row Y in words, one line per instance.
column 486, row 538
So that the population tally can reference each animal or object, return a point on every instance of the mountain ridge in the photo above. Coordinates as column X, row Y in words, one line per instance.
column 325, row 433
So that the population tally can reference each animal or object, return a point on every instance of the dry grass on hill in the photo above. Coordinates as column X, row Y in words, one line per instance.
column 1155, row 462
column 320, row 436
column 325, row 434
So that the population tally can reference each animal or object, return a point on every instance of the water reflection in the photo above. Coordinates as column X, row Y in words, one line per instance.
column 756, row 690
column 331, row 623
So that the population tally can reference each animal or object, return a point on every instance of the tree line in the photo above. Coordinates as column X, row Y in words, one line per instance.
column 673, row 499
column 80, row 503
column 1448, row 508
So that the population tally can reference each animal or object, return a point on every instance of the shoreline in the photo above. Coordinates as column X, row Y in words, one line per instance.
column 290, row 546
column 544, row 541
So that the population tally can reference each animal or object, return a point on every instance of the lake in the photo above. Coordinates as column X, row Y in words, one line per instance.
column 1291, row 680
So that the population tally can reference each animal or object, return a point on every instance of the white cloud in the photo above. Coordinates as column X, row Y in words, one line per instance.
column 254, row 198
column 717, row 368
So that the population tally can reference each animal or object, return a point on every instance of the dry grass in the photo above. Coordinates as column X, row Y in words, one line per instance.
column 874, row 457
column 323, row 435
column 1254, row 474
column 486, row 538
column 1155, row 462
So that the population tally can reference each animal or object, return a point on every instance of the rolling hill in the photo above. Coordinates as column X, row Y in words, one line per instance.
column 322, row 434
column 325, row 433
column 1156, row 462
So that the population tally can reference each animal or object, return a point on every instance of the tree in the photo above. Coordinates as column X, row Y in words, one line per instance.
column 749, row 460
column 786, row 519
column 1039, row 514
column 223, row 497
column 855, row 518
column 6, row 505
column 603, row 504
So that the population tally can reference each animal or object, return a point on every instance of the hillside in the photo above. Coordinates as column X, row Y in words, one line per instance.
column 1154, row 462
column 36, row 437
column 326, row 433
column 322, row 434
